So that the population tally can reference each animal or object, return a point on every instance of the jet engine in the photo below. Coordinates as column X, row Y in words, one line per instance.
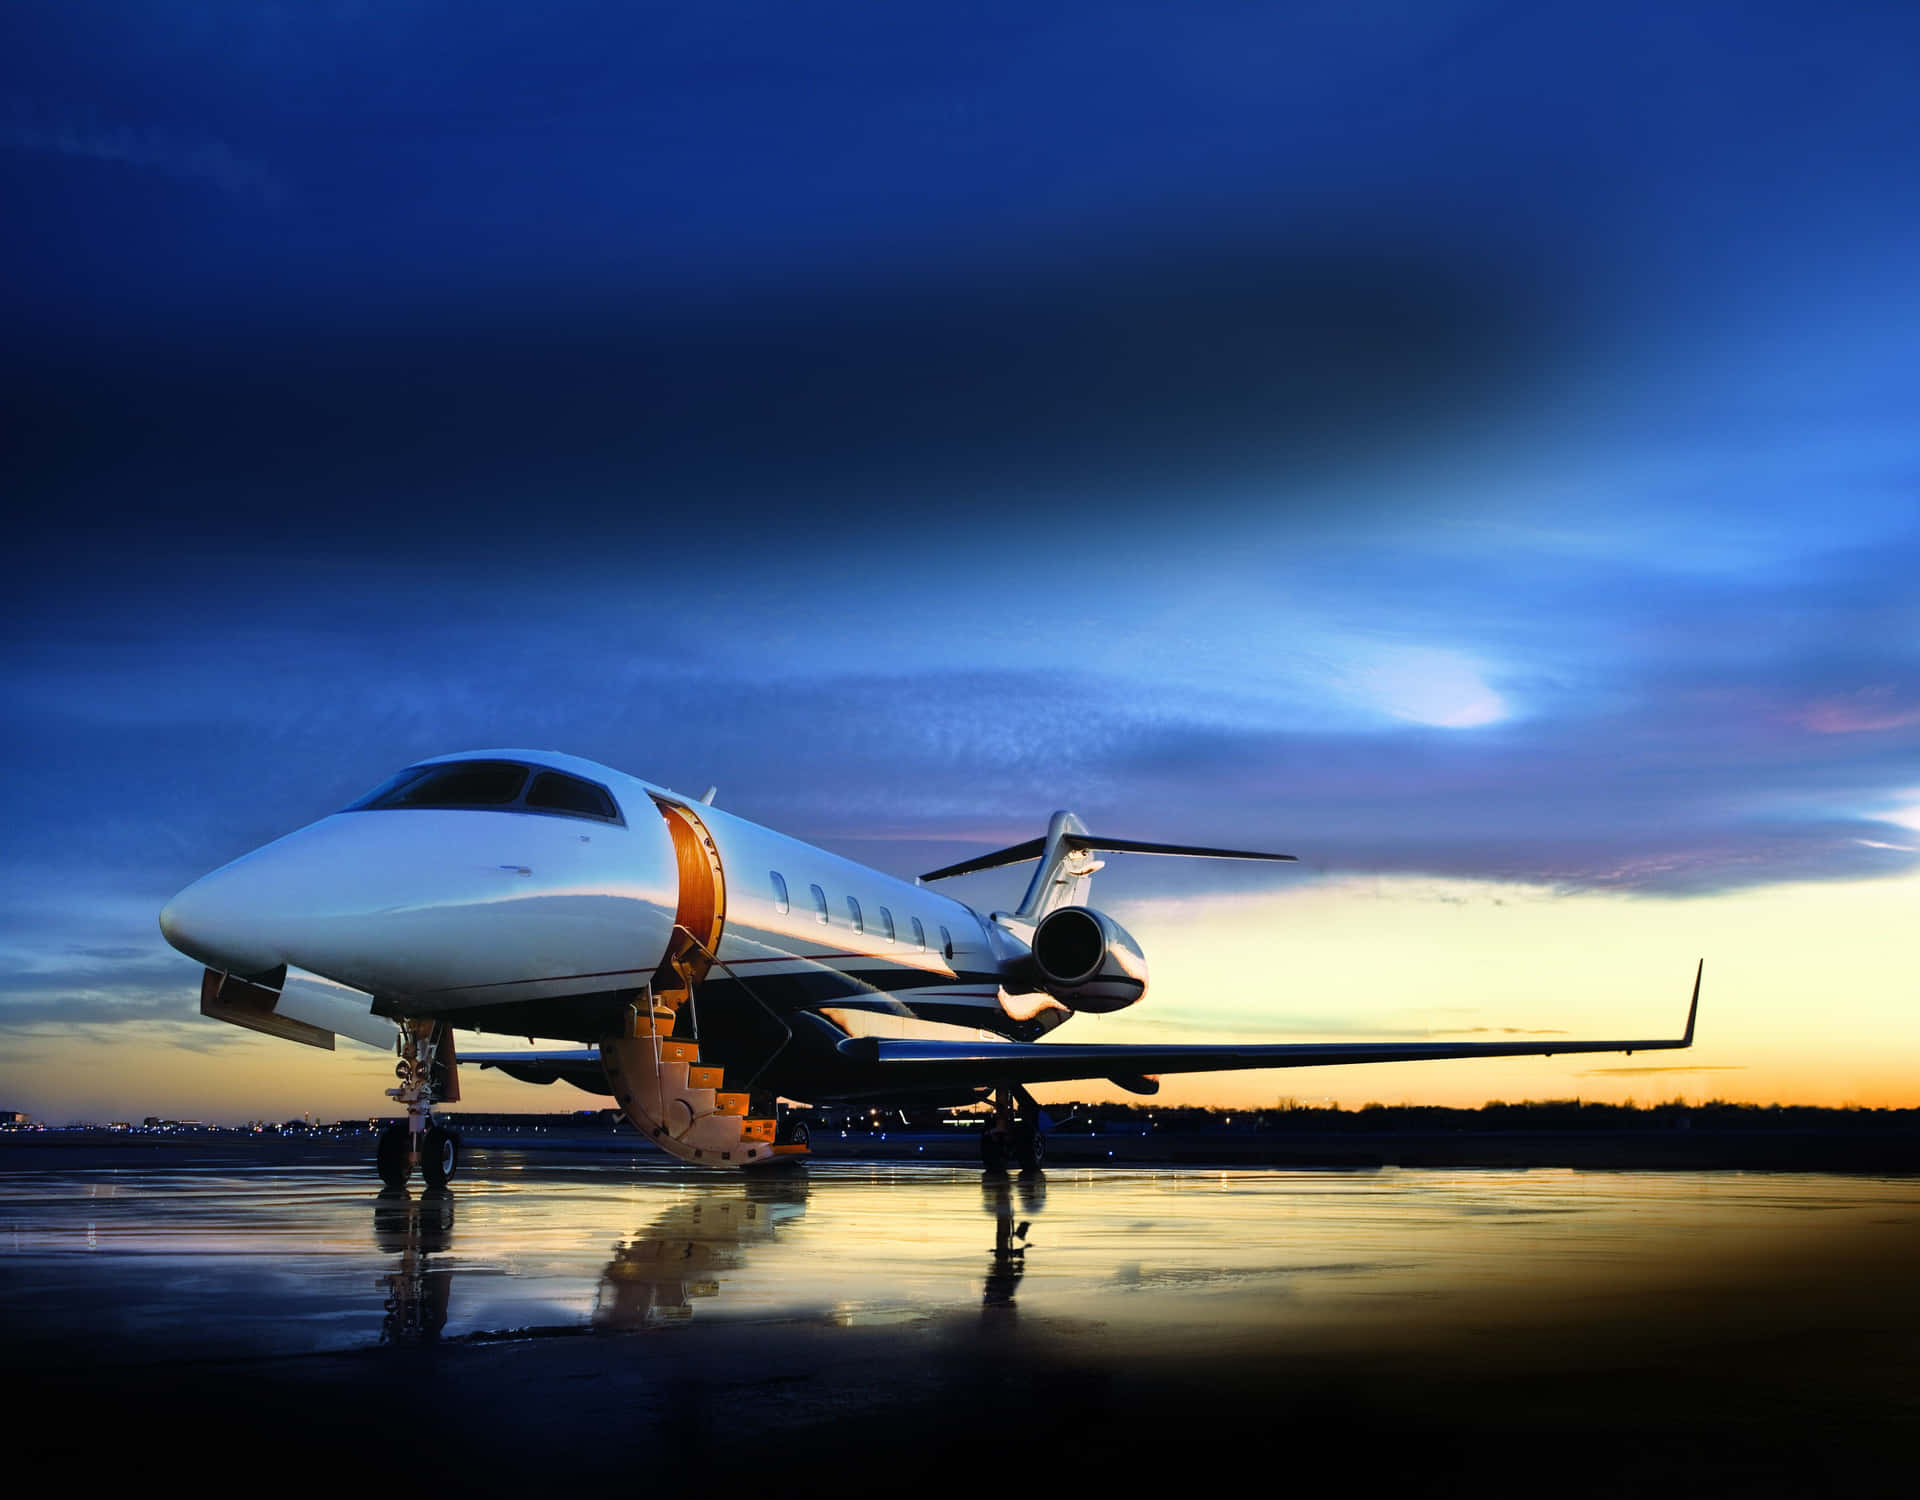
column 1088, row 961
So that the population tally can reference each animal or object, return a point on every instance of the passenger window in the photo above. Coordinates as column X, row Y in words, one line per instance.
column 886, row 923
column 779, row 891
column 919, row 935
column 819, row 903
column 946, row 944
column 853, row 915
column 553, row 792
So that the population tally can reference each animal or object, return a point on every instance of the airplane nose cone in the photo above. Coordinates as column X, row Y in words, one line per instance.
column 209, row 921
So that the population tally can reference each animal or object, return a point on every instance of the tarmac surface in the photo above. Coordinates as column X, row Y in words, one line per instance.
column 916, row 1329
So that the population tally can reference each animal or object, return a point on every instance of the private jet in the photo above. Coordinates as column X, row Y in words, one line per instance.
column 703, row 967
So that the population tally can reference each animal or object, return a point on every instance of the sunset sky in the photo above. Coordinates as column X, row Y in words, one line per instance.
column 1470, row 447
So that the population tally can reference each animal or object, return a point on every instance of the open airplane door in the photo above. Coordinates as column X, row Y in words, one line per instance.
column 653, row 1067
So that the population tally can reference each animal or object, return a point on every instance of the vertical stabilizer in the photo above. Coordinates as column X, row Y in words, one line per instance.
column 1065, row 870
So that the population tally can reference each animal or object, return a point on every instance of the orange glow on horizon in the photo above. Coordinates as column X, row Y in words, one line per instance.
column 1808, row 999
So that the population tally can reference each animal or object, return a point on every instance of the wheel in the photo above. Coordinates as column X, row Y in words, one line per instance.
column 439, row 1155
column 795, row 1133
column 1031, row 1147
column 993, row 1151
column 391, row 1155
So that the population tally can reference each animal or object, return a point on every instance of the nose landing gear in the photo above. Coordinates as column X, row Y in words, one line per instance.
column 439, row 1156
column 394, row 1155
column 426, row 1069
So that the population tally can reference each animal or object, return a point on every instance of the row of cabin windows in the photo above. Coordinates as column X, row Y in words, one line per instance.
column 822, row 915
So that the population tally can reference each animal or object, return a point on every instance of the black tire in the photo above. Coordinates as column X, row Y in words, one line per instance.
column 439, row 1156
column 993, row 1151
column 390, row 1156
column 796, row 1134
column 1032, row 1150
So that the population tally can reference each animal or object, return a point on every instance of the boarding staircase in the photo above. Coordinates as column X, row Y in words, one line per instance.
column 680, row 1104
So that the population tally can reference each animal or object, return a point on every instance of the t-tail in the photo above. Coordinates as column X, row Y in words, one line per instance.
column 1054, row 941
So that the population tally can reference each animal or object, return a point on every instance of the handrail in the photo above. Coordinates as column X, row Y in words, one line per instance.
column 778, row 1020
column 646, row 993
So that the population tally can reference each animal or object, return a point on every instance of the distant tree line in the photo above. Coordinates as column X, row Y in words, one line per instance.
column 1530, row 1115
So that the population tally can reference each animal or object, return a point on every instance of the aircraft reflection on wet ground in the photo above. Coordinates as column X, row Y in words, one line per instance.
column 868, row 1327
column 141, row 1265
column 658, row 1274
column 145, row 1265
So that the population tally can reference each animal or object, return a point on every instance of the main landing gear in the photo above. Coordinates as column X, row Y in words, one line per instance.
column 789, row 1129
column 1013, row 1136
column 425, row 1066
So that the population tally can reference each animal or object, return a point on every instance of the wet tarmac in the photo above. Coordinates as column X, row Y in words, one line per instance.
column 919, row 1329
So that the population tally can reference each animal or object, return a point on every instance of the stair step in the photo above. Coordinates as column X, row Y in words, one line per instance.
column 793, row 1148
column 660, row 1023
column 704, row 1077
column 655, row 1080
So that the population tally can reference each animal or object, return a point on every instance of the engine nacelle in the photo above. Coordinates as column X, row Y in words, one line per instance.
column 1089, row 961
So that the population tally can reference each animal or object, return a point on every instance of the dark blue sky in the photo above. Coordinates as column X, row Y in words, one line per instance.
column 1475, row 440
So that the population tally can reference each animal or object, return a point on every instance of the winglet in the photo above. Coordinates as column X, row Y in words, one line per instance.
column 1693, row 1009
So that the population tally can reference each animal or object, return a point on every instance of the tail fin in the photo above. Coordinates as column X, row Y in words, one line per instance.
column 1066, row 864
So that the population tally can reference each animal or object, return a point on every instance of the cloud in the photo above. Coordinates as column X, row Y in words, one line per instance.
column 1906, row 811
column 156, row 991
column 1199, row 1023
column 1674, row 781
column 1429, row 685
column 1863, row 711
column 802, row 419
column 187, row 155
column 1500, row 1030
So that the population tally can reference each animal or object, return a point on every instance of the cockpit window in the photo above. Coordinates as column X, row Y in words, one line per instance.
column 553, row 792
column 460, row 783
column 494, row 784
column 379, row 795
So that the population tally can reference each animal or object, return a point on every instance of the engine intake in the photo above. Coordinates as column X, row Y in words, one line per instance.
column 1088, row 961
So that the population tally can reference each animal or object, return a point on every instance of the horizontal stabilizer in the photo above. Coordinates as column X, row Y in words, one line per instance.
column 1018, row 854
column 1091, row 843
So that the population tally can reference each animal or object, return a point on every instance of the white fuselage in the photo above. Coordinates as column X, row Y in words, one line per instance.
column 442, row 911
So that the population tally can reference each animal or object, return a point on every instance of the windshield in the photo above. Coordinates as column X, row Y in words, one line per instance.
column 495, row 785
column 463, row 783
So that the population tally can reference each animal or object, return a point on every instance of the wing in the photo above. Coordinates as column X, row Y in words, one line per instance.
column 580, row 1067
column 908, row 1064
